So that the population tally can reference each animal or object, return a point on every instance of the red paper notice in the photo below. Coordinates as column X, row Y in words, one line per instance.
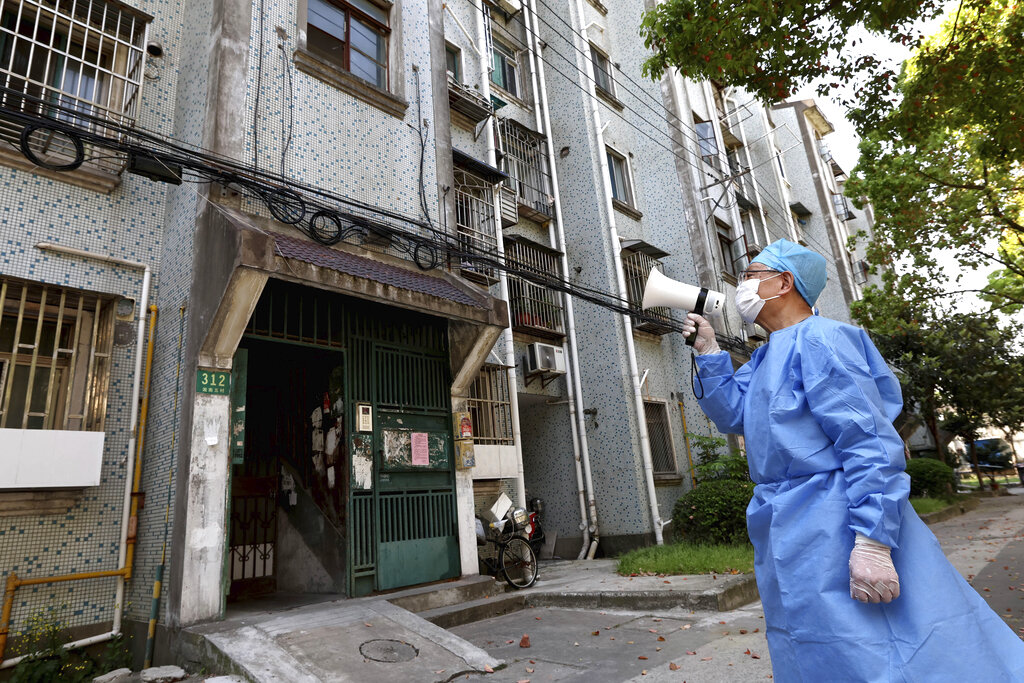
column 420, row 456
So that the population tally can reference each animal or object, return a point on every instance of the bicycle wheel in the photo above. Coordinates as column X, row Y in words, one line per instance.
column 518, row 563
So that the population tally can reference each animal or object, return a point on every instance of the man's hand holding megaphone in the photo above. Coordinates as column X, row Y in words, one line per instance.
column 705, row 341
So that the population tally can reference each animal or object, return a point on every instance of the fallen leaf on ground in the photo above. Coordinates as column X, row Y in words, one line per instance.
column 690, row 652
column 672, row 666
column 683, row 628
column 641, row 657
column 743, row 631
column 529, row 671
column 705, row 659
column 755, row 656
column 525, row 680
column 595, row 633
column 653, row 630
column 368, row 624
column 747, row 652
column 509, row 642
column 524, row 641
column 661, row 639
column 488, row 669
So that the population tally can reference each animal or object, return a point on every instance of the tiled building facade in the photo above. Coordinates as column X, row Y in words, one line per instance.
column 327, row 149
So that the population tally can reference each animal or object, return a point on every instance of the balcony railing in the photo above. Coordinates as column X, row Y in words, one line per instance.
column 526, row 163
column 475, row 222
column 636, row 266
column 535, row 309
column 490, row 405
column 78, row 63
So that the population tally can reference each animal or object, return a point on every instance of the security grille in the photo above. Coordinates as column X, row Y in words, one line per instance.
column 490, row 407
column 663, row 456
column 526, row 163
column 80, row 62
column 637, row 266
column 476, row 222
column 54, row 357
column 842, row 205
column 535, row 309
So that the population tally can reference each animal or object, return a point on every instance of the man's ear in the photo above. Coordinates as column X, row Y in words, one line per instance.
column 788, row 283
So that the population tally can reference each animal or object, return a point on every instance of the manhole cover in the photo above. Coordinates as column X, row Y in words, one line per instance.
column 388, row 650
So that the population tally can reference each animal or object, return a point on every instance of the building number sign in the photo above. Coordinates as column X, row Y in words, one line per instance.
column 213, row 382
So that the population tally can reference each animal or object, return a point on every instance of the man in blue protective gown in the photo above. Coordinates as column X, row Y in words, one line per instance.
column 854, row 585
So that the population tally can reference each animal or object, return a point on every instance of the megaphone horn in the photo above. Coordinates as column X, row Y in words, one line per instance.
column 662, row 290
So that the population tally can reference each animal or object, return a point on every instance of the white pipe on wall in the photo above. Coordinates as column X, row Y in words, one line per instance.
column 584, row 480
column 506, row 334
column 620, row 280
column 140, row 341
column 556, row 236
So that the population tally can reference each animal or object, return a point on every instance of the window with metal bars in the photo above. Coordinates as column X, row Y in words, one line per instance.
column 475, row 222
column 526, row 163
column 659, row 433
column 637, row 266
column 54, row 357
column 490, row 406
column 80, row 63
column 842, row 206
column 535, row 309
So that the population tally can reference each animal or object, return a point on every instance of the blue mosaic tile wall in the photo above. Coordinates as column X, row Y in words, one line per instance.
column 128, row 223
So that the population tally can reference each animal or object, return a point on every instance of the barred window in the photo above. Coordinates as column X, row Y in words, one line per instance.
column 659, row 433
column 475, row 222
column 535, row 309
column 78, row 62
column 490, row 406
column 54, row 357
column 526, row 163
column 637, row 266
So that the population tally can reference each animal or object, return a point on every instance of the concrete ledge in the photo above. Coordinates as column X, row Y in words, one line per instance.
column 736, row 591
column 954, row 510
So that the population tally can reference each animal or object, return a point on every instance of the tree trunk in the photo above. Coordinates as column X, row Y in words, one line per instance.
column 973, row 450
column 933, row 427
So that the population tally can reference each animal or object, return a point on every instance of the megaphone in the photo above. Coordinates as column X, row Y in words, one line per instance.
column 664, row 291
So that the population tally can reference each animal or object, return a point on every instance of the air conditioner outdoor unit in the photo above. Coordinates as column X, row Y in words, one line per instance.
column 545, row 358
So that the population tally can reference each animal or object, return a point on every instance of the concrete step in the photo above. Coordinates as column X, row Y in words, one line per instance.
column 423, row 598
column 475, row 610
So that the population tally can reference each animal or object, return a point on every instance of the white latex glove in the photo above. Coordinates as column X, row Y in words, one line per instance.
column 873, row 577
column 706, row 342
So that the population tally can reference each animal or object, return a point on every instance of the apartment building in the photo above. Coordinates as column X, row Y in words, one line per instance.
column 350, row 224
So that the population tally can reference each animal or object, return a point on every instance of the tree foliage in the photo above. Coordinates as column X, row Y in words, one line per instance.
column 943, row 169
column 771, row 47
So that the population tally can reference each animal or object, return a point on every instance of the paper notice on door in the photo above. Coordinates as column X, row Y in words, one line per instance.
column 420, row 453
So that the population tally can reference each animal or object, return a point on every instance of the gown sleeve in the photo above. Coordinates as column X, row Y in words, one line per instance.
column 849, row 391
column 723, row 391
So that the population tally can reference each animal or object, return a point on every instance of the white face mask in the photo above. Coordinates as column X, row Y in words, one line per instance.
column 748, row 302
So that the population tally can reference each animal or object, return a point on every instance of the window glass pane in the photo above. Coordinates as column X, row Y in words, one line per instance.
column 366, row 68
column 706, row 139
column 367, row 41
column 451, row 56
column 371, row 9
column 616, row 175
column 602, row 71
column 325, row 45
column 327, row 18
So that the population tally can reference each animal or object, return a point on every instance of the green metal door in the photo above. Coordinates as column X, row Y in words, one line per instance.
column 416, row 522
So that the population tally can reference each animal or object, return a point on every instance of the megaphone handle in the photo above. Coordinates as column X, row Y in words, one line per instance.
column 691, row 339
column 698, row 308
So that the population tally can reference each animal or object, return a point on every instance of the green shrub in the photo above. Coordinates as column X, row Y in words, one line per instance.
column 712, row 463
column 930, row 478
column 714, row 512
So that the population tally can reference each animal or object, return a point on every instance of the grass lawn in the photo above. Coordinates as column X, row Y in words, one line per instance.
column 687, row 558
column 925, row 505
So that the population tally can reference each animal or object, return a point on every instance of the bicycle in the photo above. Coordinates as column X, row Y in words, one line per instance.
column 515, row 558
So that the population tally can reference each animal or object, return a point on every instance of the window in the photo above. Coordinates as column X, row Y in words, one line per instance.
column 725, row 248
column 535, row 309
column 663, row 457
column 842, row 206
column 352, row 34
column 636, row 268
column 505, row 73
column 490, row 407
column 526, row 162
column 78, row 62
column 618, row 169
column 453, row 61
column 475, row 221
column 706, row 141
column 782, row 168
column 54, row 357
column 602, row 72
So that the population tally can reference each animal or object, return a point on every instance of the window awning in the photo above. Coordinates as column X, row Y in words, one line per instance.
column 477, row 167
column 799, row 209
column 642, row 247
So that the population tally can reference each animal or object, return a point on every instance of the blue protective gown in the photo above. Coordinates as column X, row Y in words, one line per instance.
column 816, row 405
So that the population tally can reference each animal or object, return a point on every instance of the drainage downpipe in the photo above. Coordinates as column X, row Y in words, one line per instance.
column 581, row 449
column 620, row 279
column 506, row 334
